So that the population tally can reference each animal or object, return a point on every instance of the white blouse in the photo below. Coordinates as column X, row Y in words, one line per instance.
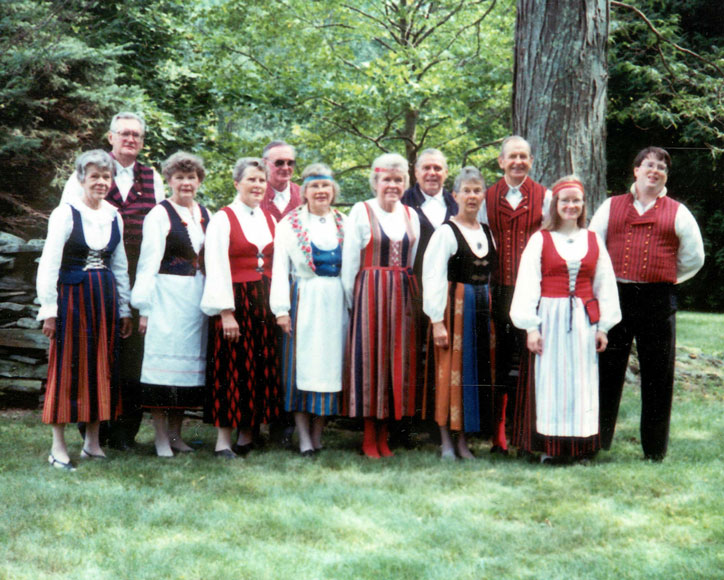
column 156, row 227
column 523, row 310
column 358, row 233
column 322, row 232
column 441, row 247
column 218, row 290
column 97, row 232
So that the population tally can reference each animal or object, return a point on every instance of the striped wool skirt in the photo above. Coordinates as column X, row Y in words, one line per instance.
column 83, row 374
column 243, row 388
column 463, row 382
column 381, row 358
column 312, row 355
column 557, row 404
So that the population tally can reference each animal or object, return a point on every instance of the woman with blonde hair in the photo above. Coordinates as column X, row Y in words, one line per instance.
column 379, row 285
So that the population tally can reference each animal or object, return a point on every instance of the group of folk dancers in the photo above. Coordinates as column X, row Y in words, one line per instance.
column 414, row 305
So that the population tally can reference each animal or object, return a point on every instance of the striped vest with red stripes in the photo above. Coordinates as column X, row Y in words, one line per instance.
column 643, row 248
column 512, row 228
column 244, row 256
column 140, row 200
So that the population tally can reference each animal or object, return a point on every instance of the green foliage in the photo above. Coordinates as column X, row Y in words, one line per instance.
column 53, row 87
column 346, row 82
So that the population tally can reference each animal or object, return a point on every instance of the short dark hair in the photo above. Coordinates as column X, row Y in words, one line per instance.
column 657, row 152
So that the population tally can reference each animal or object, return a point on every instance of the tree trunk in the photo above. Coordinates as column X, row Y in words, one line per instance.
column 559, row 90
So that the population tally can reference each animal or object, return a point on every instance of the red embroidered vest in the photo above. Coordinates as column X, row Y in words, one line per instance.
column 643, row 248
column 268, row 206
column 554, row 270
column 512, row 228
column 244, row 256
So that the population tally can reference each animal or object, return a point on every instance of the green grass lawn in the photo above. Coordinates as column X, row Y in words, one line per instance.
column 276, row 515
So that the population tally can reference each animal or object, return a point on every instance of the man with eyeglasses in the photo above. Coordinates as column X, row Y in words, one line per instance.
column 654, row 243
column 282, row 196
column 136, row 188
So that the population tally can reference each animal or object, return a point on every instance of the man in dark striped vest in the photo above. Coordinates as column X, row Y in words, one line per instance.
column 135, row 190
column 654, row 243
column 514, row 208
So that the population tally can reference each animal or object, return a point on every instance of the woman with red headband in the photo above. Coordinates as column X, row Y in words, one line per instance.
column 566, row 299
column 380, row 243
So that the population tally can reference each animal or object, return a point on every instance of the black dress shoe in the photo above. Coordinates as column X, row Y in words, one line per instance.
column 308, row 453
column 242, row 450
column 121, row 445
column 499, row 450
column 654, row 457
column 226, row 454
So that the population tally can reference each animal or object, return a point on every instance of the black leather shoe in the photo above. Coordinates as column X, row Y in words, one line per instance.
column 309, row 453
column 499, row 450
column 242, row 450
column 226, row 454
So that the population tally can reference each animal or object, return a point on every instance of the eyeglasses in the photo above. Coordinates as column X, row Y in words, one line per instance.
column 658, row 166
column 128, row 134
column 283, row 162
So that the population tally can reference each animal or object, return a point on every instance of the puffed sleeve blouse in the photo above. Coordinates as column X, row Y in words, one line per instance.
column 218, row 290
column 523, row 310
column 358, row 233
column 97, row 228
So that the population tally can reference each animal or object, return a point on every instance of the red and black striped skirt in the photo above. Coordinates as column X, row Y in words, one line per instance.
column 243, row 378
column 83, row 374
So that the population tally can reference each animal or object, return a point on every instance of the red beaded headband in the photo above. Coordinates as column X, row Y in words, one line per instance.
column 564, row 184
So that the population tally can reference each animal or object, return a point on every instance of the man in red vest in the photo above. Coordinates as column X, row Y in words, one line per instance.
column 514, row 208
column 136, row 188
column 654, row 243
column 282, row 196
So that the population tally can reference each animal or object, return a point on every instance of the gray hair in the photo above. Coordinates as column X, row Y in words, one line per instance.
column 430, row 152
column 468, row 174
column 273, row 144
column 244, row 163
column 181, row 161
column 510, row 138
column 127, row 115
column 389, row 162
column 97, row 157
column 318, row 169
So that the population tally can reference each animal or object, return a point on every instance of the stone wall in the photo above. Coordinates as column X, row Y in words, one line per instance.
column 23, row 348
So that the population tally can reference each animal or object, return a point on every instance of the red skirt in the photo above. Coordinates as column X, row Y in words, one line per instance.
column 243, row 378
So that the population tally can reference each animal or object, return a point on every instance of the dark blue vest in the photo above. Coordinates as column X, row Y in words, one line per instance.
column 180, row 259
column 327, row 262
column 76, row 251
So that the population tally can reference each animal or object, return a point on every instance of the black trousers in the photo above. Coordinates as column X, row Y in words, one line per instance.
column 509, row 340
column 124, row 429
column 649, row 317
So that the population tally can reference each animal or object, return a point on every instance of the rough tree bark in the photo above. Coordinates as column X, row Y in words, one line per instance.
column 559, row 90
